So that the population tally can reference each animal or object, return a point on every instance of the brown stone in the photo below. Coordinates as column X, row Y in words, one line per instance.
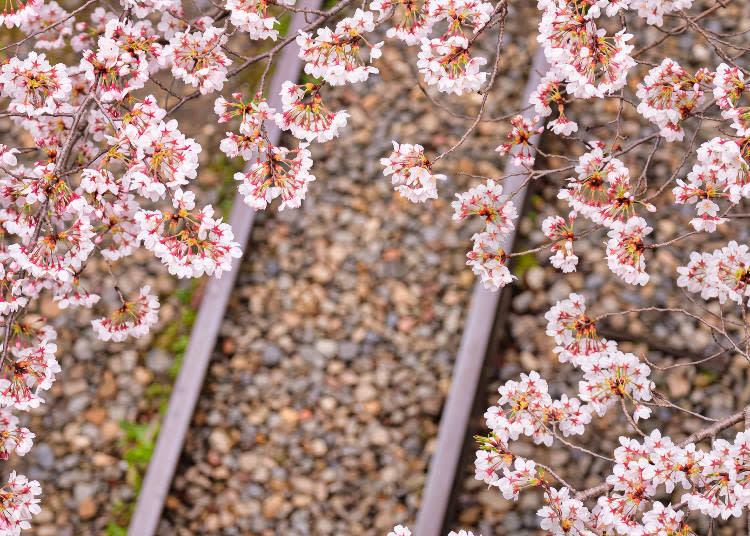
column 108, row 387
column 272, row 505
column 228, row 346
column 289, row 415
column 86, row 509
column 110, row 431
column 96, row 415
column 143, row 375
column 101, row 459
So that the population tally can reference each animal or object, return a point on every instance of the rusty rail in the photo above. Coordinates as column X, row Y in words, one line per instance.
column 187, row 387
column 481, row 322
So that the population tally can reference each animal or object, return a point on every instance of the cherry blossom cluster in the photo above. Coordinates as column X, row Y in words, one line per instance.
column 730, row 94
column 334, row 54
column 448, row 65
column 580, row 52
column 668, row 94
column 411, row 172
column 654, row 10
column 549, row 98
column 625, row 250
column 252, row 16
column 273, row 171
column 560, row 232
column 523, row 130
column 609, row 375
column 713, row 481
column 196, row 58
column 601, row 189
column 720, row 173
column 487, row 258
column 305, row 114
column 574, row 333
column 723, row 273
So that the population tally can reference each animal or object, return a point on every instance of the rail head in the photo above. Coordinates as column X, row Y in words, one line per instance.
column 187, row 387
column 480, row 322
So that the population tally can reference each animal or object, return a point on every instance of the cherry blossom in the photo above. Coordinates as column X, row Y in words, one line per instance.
column 20, row 502
column 488, row 261
column 414, row 22
column 304, row 114
column 57, row 256
column 11, row 297
column 34, row 86
column 561, row 232
column 729, row 92
column 400, row 530
column 593, row 63
column 411, row 172
column 601, row 191
column 447, row 64
column 164, row 157
column 8, row 155
column 143, row 8
column 334, row 54
column 616, row 376
column 197, row 58
column 519, row 136
column 574, row 332
column 189, row 242
column 522, row 475
column 654, row 10
column 32, row 370
column 625, row 250
column 722, row 274
column 526, row 408
column 132, row 319
column 20, row 12
column 695, row 276
column 669, row 94
column 48, row 14
column 488, row 202
column 73, row 293
column 279, row 172
column 251, row 16
column 493, row 455
column 460, row 14
column 662, row 520
column 564, row 514
column 12, row 437
column 720, row 172
column 549, row 94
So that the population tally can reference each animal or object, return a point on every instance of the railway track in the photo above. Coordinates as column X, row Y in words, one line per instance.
column 187, row 386
column 484, row 319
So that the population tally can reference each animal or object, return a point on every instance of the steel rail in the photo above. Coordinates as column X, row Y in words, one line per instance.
column 483, row 319
column 187, row 386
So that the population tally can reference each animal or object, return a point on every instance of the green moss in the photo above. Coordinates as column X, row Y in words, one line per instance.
column 122, row 511
column 523, row 263
column 113, row 529
column 706, row 377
